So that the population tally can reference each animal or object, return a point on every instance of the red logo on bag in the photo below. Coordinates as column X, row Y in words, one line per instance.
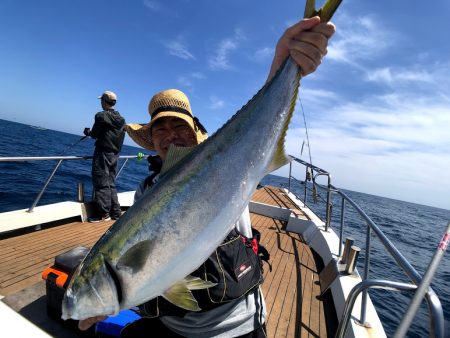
column 243, row 270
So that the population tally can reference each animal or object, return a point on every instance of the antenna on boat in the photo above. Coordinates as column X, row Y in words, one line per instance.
column 422, row 289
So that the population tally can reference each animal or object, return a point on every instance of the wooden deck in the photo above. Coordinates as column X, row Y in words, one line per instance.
column 291, row 289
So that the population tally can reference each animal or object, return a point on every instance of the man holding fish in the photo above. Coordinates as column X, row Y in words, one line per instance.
column 172, row 128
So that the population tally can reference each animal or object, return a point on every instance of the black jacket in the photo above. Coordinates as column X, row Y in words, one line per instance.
column 108, row 130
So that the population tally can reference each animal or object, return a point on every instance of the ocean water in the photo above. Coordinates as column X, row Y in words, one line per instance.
column 415, row 229
column 20, row 182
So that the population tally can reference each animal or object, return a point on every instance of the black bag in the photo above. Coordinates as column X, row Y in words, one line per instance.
column 234, row 266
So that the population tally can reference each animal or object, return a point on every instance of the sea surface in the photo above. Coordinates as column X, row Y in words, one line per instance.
column 414, row 229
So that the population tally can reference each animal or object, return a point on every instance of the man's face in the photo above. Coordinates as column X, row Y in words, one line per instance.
column 171, row 130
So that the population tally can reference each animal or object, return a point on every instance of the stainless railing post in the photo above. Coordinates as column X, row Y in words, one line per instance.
column 290, row 174
column 45, row 186
column 123, row 165
column 363, row 287
column 365, row 277
column 306, row 184
column 341, row 232
column 328, row 215
column 407, row 319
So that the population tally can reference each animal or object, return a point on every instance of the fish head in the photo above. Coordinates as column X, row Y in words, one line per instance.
column 94, row 290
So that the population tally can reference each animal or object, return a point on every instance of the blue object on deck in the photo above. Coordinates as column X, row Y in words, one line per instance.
column 112, row 326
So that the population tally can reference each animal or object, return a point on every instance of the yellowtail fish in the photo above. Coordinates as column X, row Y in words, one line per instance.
column 184, row 217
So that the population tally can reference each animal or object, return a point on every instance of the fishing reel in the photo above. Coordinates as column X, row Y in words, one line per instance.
column 154, row 163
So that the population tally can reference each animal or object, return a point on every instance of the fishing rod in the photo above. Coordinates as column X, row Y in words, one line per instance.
column 73, row 144
column 424, row 285
column 52, row 174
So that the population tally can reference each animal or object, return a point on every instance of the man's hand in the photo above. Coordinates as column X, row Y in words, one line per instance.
column 306, row 42
column 87, row 131
column 85, row 324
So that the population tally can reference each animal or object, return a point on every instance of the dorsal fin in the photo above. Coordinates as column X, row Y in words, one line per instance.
column 174, row 155
column 280, row 158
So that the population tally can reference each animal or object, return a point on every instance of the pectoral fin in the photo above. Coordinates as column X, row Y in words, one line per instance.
column 134, row 259
column 195, row 283
column 180, row 295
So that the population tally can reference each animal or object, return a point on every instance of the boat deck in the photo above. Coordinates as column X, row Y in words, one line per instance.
column 291, row 289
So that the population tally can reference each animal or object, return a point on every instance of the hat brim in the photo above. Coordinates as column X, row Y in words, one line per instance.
column 141, row 133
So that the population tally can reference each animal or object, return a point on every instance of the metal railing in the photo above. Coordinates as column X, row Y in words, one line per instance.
column 434, row 304
column 60, row 160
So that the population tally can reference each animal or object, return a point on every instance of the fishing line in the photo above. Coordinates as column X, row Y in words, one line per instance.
column 306, row 129
column 311, row 177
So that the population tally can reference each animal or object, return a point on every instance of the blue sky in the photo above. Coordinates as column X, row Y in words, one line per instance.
column 377, row 110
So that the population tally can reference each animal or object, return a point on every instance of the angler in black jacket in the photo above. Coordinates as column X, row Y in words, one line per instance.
column 109, row 132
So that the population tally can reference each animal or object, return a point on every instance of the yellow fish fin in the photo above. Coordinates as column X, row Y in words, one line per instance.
column 174, row 155
column 180, row 293
column 196, row 283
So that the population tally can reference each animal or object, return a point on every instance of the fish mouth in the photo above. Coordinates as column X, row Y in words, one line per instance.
column 98, row 294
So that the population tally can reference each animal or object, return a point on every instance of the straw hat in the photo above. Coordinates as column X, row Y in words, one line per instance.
column 171, row 102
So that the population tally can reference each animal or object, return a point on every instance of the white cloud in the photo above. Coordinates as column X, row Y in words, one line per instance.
column 376, row 166
column 220, row 59
column 359, row 39
column 404, row 121
column 187, row 80
column 216, row 103
column 387, row 132
column 392, row 76
column 179, row 49
column 394, row 145
column 152, row 5
column 264, row 54
column 315, row 96
column 198, row 76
